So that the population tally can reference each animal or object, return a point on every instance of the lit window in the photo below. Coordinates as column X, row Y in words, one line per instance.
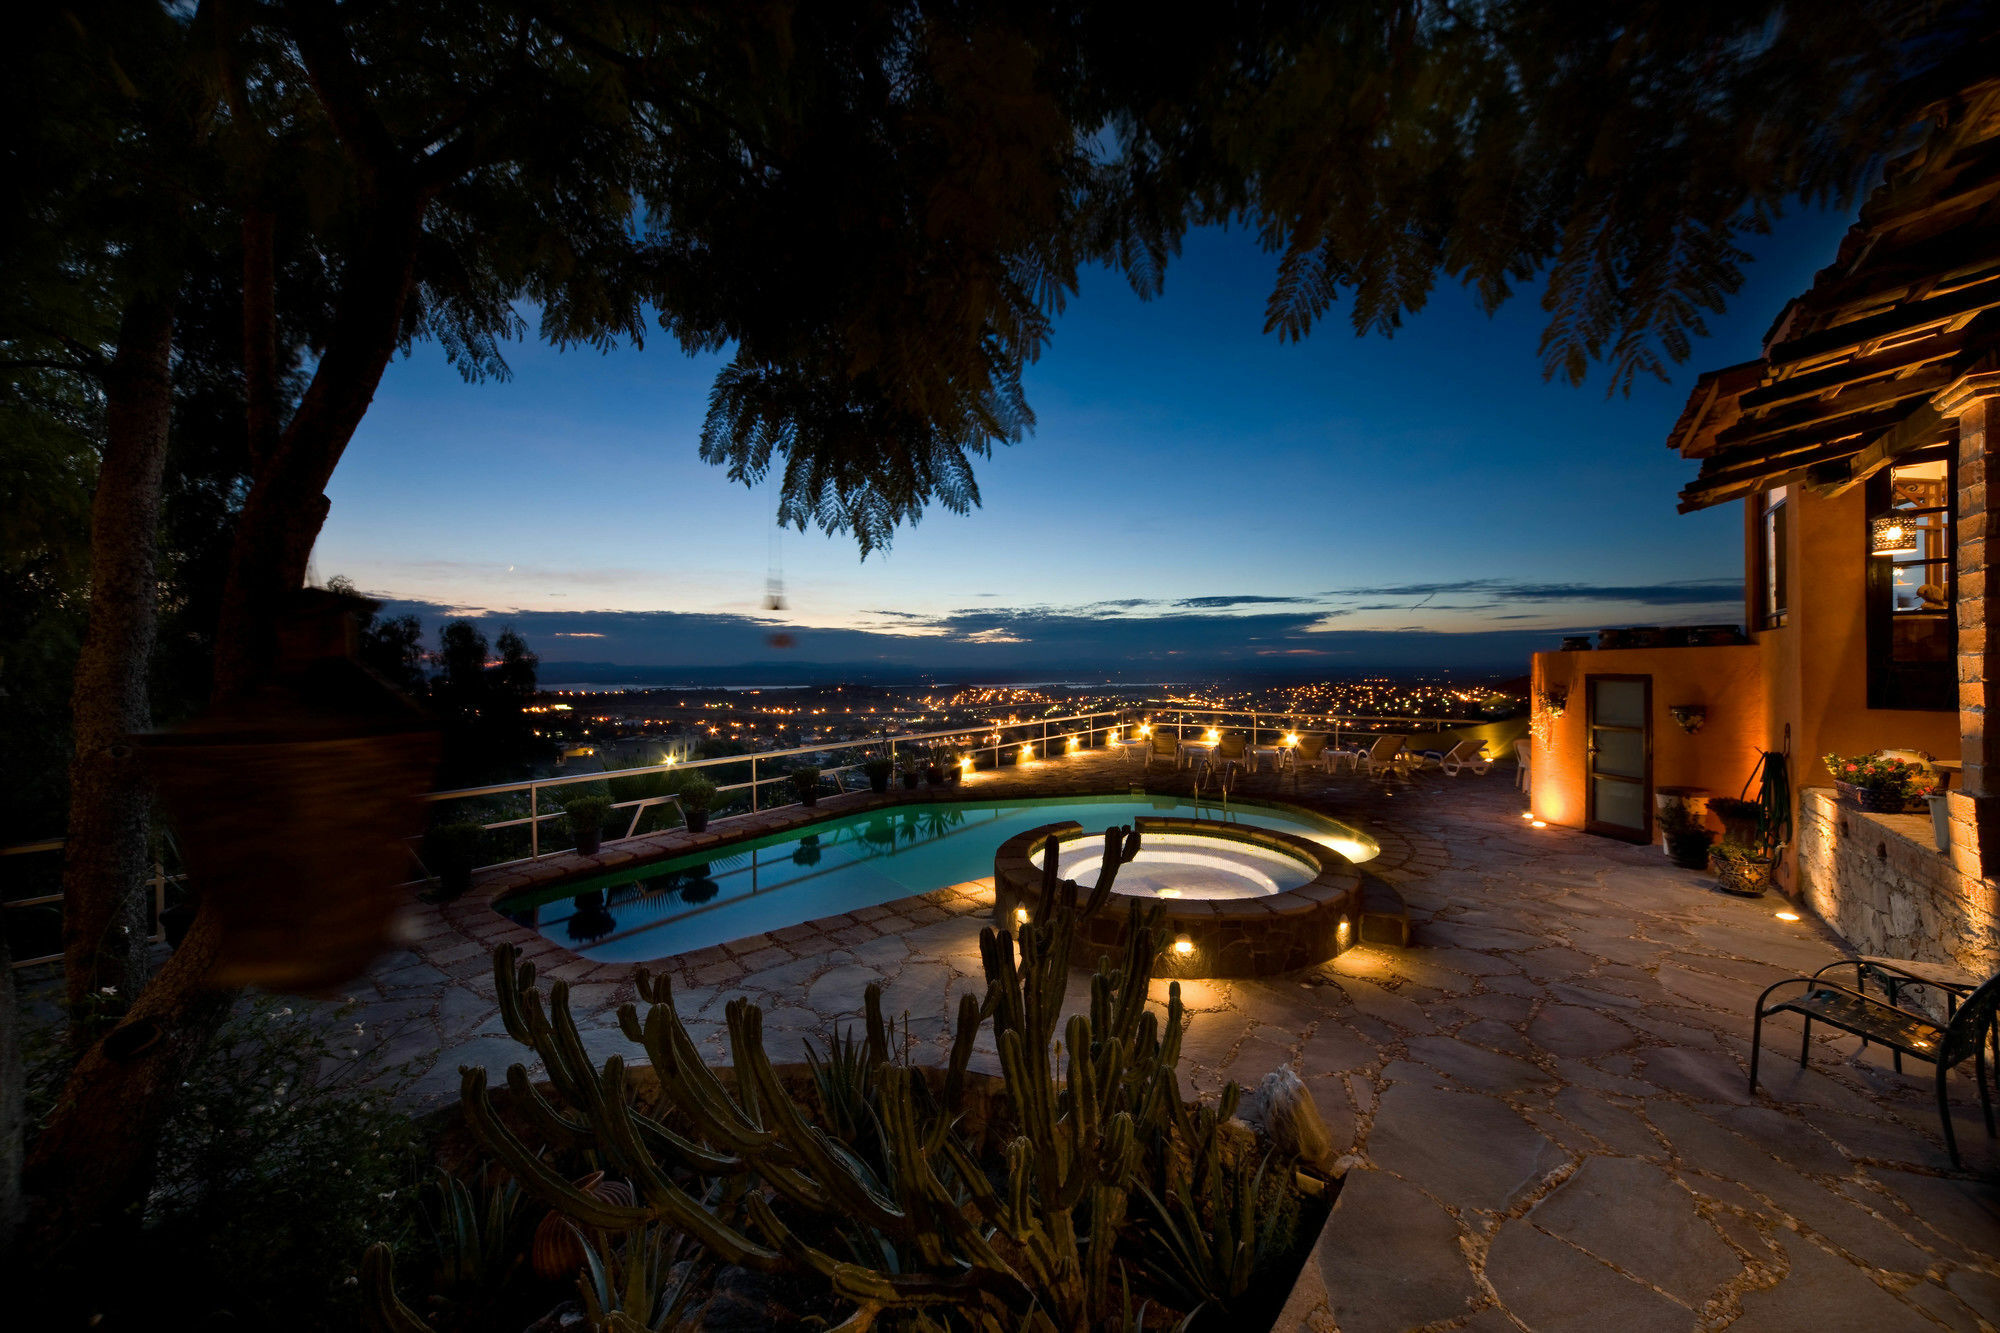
column 1912, row 627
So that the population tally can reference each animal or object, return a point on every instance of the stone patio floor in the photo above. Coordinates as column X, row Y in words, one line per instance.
column 1545, row 1094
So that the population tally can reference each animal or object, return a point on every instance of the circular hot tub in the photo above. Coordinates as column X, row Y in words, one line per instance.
column 1239, row 901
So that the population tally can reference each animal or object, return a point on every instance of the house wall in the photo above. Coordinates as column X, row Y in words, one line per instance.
column 1728, row 681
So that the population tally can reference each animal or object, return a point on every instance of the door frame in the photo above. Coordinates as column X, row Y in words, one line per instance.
column 1590, row 820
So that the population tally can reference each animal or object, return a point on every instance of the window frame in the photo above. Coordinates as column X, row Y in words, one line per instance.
column 1913, row 687
column 1773, row 535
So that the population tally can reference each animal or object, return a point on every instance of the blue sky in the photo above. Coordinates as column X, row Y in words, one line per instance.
column 1196, row 493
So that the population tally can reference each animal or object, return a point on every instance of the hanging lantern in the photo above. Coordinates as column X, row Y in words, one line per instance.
column 1890, row 534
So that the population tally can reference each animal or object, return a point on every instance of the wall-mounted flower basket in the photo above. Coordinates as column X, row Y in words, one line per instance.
column 1689, row 717
column 1553, row 702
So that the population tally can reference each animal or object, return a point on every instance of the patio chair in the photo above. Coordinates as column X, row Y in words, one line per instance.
column 1311, row 752
column 1387, row 752
column 1167, row 747
column 1522, row 753
column 1460, row 757
column 1902, row 1031
column 1232, row 751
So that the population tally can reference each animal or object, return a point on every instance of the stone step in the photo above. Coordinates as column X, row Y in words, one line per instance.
column 1385, row 919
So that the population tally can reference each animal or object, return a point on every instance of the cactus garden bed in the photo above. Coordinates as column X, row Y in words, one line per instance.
column 1077, row 1190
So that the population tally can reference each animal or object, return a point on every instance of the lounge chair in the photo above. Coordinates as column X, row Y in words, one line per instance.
column 1523, row 752
column 1311, row 752
column 1232, row 751
column 1166, row 746
column 1901, row 1030
column 1387, row 752
column 1462, row 756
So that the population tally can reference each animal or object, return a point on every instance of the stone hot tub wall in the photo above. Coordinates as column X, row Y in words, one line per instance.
column 1232, row 937
column 1881, row 882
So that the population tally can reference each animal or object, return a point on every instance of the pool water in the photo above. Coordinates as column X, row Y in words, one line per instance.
column 1185, row 865
column 690, row 902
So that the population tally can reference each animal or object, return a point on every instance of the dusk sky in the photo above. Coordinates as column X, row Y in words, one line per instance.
column 1197, row 496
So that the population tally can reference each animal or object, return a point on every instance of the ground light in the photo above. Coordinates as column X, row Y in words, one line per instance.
column 1787, row 916
column 1021, row 915
column 1539, row 823
column 1183, row 945
column 1027, row 752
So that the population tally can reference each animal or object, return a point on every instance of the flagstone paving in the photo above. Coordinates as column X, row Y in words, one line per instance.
column 1543, row 1098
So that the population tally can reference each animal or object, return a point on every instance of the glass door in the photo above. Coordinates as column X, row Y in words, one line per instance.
column 1621, row 757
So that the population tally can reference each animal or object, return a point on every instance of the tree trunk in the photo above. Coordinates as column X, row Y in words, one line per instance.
column 13, row 1109
column 287, row 505
column 92, row 1163
column 104, row 863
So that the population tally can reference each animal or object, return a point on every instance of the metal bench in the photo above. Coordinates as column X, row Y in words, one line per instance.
column 1904, row 1032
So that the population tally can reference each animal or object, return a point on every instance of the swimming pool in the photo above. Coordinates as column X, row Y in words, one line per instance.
column 709, row 897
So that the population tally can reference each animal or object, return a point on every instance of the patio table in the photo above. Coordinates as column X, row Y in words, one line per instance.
column 1276, row 752
column 1130, row 743
column 1190, row 751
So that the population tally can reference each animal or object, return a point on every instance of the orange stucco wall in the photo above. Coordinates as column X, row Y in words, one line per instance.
column 1727, row 681
column 1810, row 677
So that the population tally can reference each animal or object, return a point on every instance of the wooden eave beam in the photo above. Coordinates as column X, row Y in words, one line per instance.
column 1808, row 429
column 1906, row 359
column 1938, row 311
column 1924, row 427
column 1836, row 406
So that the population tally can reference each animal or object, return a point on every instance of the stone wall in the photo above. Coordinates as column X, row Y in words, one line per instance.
column 1881, row 882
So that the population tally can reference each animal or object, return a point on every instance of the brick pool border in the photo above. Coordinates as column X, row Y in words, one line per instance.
column 1232, row 938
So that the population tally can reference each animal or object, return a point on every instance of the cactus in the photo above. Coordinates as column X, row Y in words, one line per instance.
column 744, row 1172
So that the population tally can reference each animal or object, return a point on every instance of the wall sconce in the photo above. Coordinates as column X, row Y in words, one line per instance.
column 1888, row 535
column 1553, row 702
column 1689, row 716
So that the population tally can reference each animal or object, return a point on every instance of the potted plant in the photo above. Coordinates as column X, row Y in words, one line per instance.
column 879, row 772
column 933, row 769
column 697, row 795
column 805, row 781
column 586, row 814
column 954, row 769
column 1744, row 866
column 451, row 851
column 1739, row 819
column 1686, row 838
column 1873, row 783
column 913, row 768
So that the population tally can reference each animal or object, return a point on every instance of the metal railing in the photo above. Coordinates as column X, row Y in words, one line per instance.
column 158, row 882
column 1072, row 732
column 995, row 738
column 1027, row 737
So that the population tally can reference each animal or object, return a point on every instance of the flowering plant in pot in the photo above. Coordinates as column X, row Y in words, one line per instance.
column 586, row 815
column 879, row 772
column 697, row 795
column 805, row 781
column 1871, row 782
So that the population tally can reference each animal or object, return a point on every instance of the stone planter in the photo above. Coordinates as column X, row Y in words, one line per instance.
column 1940, row 821
column 1873, row 801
